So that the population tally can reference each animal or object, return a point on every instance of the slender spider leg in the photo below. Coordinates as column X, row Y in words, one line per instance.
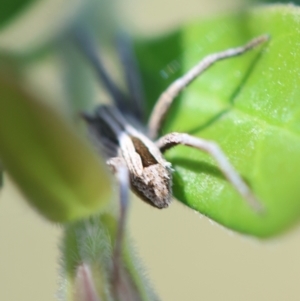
column 210, row 147
column 119, row 168
column 166, row 98
column 131, row 73
column 124, row 162
column 92, row 54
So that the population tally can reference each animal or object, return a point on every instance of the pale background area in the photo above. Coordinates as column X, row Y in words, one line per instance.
column 187, row 257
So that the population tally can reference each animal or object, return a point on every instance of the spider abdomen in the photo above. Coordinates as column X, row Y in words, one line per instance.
column 154, row 185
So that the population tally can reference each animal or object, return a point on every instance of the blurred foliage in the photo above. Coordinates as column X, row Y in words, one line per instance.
column 9, row 9
column 91, row 241
column 1, row 175
column 57, row 171
column 277, row 1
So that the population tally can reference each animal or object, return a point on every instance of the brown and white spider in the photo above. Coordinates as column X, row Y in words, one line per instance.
column 136, row 158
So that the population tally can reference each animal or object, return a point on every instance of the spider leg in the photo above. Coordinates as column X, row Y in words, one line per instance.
column 213, row 149
column 166, row 98
column 92, row 53
column 88, row 47
column 119, row 168
column 132, row 76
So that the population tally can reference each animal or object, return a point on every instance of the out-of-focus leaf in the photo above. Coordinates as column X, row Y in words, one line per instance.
column 42, row 27
column 60, row 175
column 249, row 105
column 90, row 242
column 9, row 9
column 1, row 175
column 39, row 27
column 274, row 1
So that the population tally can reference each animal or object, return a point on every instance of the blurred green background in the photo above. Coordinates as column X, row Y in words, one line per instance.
column 186, row 256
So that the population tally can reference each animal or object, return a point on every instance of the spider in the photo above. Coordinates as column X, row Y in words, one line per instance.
column 136, row 158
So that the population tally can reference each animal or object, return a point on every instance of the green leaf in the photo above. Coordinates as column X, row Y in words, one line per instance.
column 1, row 175
column 57, row 171
column 249, row 105
column 90, row 243
column 9, row 9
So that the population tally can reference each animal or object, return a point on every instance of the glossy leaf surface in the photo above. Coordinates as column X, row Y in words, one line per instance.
column 249, row 105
